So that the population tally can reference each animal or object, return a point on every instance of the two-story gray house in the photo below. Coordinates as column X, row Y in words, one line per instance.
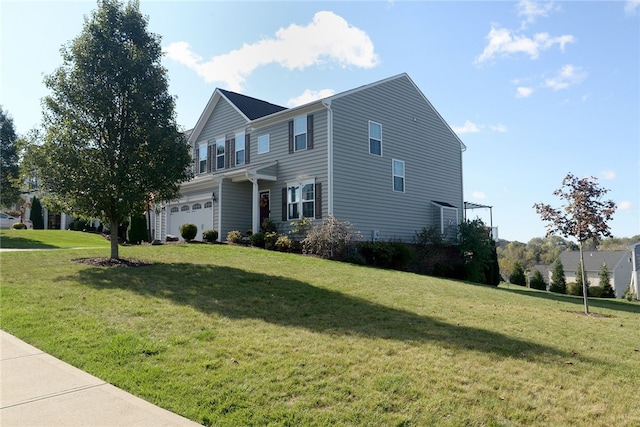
column 379, row 156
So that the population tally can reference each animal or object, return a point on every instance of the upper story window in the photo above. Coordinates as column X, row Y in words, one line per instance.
column 300, row 133
column 301, row 200
column 398, row 175
column 220, row 153
column 375, row 138
column 263, row 144
column 240, row 149
column 202, row 158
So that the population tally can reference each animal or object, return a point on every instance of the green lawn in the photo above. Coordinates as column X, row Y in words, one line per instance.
column 231, row 336
column 50, row 239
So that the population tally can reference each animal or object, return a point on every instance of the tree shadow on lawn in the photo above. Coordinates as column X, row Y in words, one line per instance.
column 609, row 304
column 239, row 294
column 10, row 242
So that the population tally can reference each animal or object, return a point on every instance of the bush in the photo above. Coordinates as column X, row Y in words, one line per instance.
column 517, row 276
column 537, row 281
column 210, row 236
column 257, row 240
column 234, row 236
column 629, row 295
column 270, row 240
column 330, row 239
column 268, row 226
column 188, row 231
column 283, row 244
column 137, row 231
column 596, row 291
column 18, row 226
column 558, row 282
column 574, row 289
column 36, row 217
column 395, row 255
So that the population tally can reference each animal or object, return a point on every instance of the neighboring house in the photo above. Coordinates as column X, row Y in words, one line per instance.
column 634, row 286
column 379, row 156
column 619, row 265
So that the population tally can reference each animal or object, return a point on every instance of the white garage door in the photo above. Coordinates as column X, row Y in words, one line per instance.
column 198, row 213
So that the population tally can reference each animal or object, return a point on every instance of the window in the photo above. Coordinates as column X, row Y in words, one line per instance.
column 208, row 205
column 202, row 158
column 196, row 206
column 175, row 209
column 220, row 154
column 185, row 208
column 375, row 138
column 240, row 148
column 300, row 133
column 301, row 200
column 263, row 144
column 398, row 175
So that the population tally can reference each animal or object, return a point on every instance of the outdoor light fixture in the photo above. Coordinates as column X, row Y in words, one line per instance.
column 213, row 197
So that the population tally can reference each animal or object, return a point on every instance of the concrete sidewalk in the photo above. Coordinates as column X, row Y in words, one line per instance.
column 36, row 389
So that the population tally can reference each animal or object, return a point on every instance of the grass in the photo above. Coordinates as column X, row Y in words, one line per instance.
column 49, row 239
column 230, row 336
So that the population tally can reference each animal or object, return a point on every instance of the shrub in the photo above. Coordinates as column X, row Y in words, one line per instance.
column 18, row 226
column 210, row 236
column 188, row 231
column 270, row 240
column 257, row 240
column 330, row 239
column 517, row 276
column 596, row 291
column 558, row 282
column 629, row 295
column 574, row 289
column 268, row 226
column 137, row 231
column 36, row 216
column 234, row 236
column 283, row 244
column 395, row 255
column 537, row 281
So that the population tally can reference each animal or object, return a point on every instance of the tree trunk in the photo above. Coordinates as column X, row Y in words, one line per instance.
column 585, row 290
column 113, row 227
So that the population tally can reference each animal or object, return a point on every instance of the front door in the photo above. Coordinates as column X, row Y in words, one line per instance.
column 264, row 206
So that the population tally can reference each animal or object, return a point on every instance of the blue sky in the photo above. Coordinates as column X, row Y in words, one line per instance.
column 534, row 89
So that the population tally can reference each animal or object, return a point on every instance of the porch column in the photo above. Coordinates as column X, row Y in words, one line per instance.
column 255, row 207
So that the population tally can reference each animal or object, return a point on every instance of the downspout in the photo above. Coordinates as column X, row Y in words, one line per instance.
column 327, row 104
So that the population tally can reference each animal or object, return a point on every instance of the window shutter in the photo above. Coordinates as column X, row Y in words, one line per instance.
column 284, row 204
column 196, row 161
column 290, row 136
column 211, row 157
column 318, row 194
column 232, row 152
column 247, row 140
column 309, row 131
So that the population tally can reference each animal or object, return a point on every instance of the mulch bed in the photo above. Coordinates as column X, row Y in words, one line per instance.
column 112, row 262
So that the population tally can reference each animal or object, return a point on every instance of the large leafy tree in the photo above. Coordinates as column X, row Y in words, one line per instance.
column 9, row 189
column 112, row 143
column 583, row 216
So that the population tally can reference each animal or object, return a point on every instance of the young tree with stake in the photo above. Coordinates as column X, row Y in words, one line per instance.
column 584, row 215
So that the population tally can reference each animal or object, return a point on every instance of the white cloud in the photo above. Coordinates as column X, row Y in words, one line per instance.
column 531, row 10
column 499, row 128
column 328, row 38
column 479, row 195
column 625, row 205
column 608, row 175
column 502, row 42
column 631, row 7
column 569, row 75
column 524, row 92
column 467, row 127
column 310, row 95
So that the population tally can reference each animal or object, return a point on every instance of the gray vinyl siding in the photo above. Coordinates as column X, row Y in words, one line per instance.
column 236, row 207
column 292, row 167
column 411, row 132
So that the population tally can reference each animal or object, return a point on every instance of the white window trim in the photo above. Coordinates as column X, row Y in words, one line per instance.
column 403, row 176
column 222, row 142
column 240, row 140
column 301, row 200
column 202, row 151
column 370, row 138
column 306, row 136
column 268, row 144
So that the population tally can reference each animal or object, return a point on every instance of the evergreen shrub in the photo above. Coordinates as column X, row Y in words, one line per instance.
column 210, row 236
column 188, row 231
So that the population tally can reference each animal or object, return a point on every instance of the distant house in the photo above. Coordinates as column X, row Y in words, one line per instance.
column 619, row 265
column 379, row 156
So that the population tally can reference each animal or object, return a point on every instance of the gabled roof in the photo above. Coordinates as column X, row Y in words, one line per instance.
column 593, row 260
column 252, row 108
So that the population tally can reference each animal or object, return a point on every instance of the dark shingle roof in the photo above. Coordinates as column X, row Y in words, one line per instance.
column 251, row 107
column 593, row 260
